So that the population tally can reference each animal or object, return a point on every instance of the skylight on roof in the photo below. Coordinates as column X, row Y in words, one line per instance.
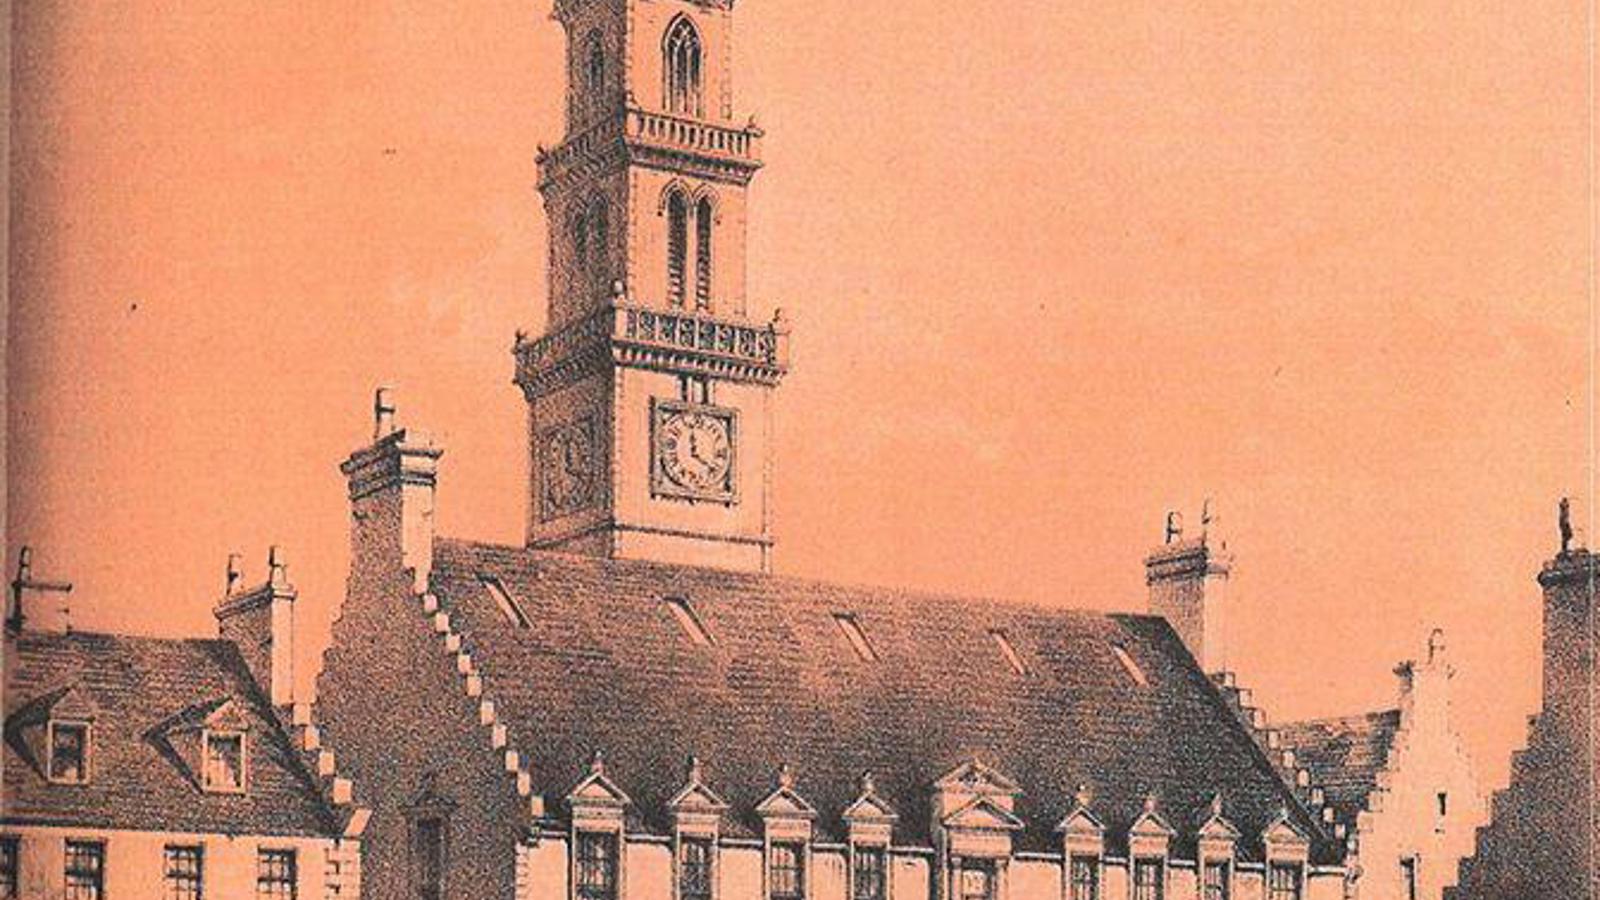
column 1008, row 651
column 509, row 607
column 1134, row 672
column 693, row 628
column 856, row 636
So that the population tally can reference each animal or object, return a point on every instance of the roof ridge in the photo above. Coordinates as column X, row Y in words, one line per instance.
column 1329, row 720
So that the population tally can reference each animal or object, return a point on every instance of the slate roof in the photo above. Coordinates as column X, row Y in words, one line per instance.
column 1344, row 756
column 603, row 664
column 147, row 697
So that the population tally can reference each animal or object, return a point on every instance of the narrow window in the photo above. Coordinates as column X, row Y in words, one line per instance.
column 86, row 870
column 694, row 869
column 677, row 245
column 786, row 872
column 69, row 752
column 693, row 628
column 694, row 388
column 430, row 837
column 1408, row 877
column 594, row 64
column 1008, row 651
column 702, row 254
column 682, row 65
column 1215, row 886
column 601, row 256
column 978, row 880
column 580, row 242
column 507, row 604
column 1147, row 881
column 1085, row 878
column 1443, row 811
column 871, row 874
column 597, row 866
column 277, row 875
column 10, row 867
column 1131, row 667
column 1283, row 882
column 223, row 768
column 856, row 636
column 184, row 872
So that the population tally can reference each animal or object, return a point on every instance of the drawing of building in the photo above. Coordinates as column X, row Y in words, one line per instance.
column 1395, row 785
column 156, row 767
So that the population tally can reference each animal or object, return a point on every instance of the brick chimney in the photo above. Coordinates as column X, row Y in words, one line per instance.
column 1187, row 578
column 392, row 484
column 260, row 621
column 1570, row 636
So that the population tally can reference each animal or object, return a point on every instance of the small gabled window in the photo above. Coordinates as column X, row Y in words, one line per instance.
column 507, row 604
column 689, row 621
column 1131, row 667
column 856, row 636
column 223, row 763
column 1012, row 658
column 69, row 752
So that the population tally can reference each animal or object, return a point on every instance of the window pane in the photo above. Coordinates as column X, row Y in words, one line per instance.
column 85, row 870
column 224, row 763
column 1216, row 881
column 694, row 869
column 597, row 866
column 1085, row 878
column 871, row 874
column 276, row 874
column 10, row 867
column 977, row 880
column 1147, row 880
column 1284, row 882
column 68, row 750
column 786, row 873
column 183, row 873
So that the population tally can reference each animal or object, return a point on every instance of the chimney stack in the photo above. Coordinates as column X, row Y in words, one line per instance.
column 392, row 484
column 1187, row 578
column 261, row 622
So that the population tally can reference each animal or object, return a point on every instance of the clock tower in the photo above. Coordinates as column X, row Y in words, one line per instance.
column 649, row 398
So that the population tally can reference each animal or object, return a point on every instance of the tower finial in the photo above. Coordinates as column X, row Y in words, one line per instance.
column 1083, row 795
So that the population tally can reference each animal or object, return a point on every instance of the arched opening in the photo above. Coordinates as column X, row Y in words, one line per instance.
column 594, row 64
column 677, row 245
column 600, row 252
column 702, row 253
column 681, row 63
column 580, row 242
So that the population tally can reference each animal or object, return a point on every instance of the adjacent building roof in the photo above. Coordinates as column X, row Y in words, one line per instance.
column 750, row 672
column 1344, row 756
column 147, row 701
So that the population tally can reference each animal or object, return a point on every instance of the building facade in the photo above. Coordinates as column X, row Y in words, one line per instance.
column 151, row 767
column 1395, row 786
column 1543, row 837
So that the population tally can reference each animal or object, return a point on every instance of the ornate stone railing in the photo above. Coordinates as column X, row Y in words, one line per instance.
column 692, row 135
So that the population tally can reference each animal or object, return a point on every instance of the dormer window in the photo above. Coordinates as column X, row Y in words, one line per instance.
column 1148, row 880
column 223, row 763
column 786, row 871
column 597, row 866
column 69, row 752
column 1283, row 882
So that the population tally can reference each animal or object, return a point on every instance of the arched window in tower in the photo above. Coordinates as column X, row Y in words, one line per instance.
column 677, row 245
column 580, row 242
column 594, row 64
column 702, row 253
column 682, row 67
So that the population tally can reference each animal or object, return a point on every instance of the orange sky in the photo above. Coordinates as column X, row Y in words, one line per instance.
column 1050, row 273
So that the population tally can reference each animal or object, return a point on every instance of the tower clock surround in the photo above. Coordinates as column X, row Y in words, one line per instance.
column 650, row 398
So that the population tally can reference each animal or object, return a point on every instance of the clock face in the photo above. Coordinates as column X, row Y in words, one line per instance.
column 568, row 467
column 694, row 449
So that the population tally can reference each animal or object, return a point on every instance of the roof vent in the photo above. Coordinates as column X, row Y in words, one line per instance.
column 1008, row 651
column 693, row 628
column 1134, row 672
column 856, row 636
column 509, row 607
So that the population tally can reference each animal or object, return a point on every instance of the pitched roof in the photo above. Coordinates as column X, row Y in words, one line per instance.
column 147, row 696
column 1344, row 756
column 601, row 664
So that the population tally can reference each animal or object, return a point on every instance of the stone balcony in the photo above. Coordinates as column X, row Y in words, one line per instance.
column 705, row 148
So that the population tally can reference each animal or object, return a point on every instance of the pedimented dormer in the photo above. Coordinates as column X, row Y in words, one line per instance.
column 1283, row 841
column 785, row 814
column 596, row 800
column 211, row 740
column 1082, row 832
column 1217, row 837
column 970, row 781
column 870, row 818
column 696, row 809
column 55, row 734
column 1150, row 835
